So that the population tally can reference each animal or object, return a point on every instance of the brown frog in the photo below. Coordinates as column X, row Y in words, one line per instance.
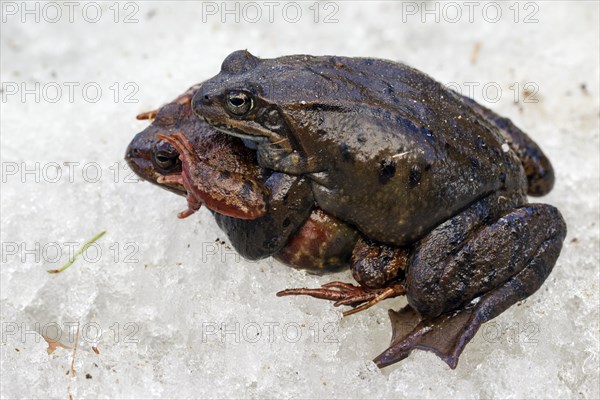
column 263, row 213
column 441, row 181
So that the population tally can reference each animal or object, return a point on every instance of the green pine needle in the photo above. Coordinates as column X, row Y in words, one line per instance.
column 72, row 260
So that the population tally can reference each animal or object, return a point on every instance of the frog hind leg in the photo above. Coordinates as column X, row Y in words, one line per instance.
column 521, row 247
column 379, row 270
column 538, row 169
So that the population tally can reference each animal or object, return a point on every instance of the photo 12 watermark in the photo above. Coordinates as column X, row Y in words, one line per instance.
column 69, row 332
column 53, row 12
column 71, row 92
column 452, row 12
column 326, row 12
column 66, row 172
column 51, row 253
column 268, row 332
column 488, row 91
column 516, row 332
column 492, row 92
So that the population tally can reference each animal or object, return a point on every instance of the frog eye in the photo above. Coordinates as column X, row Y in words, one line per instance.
column 239, row 103
column 165, row 157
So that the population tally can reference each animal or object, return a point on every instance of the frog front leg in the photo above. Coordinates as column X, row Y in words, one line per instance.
column 292, row 230
column 284, row 159
column 290, row 204
column 222, row 191
column 468, row 271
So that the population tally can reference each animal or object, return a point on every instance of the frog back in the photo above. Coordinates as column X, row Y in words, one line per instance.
column 403, row 153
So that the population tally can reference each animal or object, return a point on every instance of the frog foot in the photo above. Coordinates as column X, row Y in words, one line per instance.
column 184, row 99
column 194, row 204
column 445, row 335
column 347, row 294
column 224, row 192
column 150, row 115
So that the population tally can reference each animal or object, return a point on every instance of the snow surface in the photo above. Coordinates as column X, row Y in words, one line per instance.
column 171, row 310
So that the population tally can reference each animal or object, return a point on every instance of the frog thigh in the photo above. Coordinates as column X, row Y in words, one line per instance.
column 323, row 244
column 539, row 171
column 533, row 237
column 492, row 255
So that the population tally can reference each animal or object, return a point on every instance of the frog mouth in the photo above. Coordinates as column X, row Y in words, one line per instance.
column 250, row 140
column 173, row 182
column 244, row 136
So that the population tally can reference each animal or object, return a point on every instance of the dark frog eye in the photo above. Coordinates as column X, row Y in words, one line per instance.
column 239, row 103
column 166, row 158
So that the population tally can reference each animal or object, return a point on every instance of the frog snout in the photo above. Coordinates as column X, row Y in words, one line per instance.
column 138, row 150
column 132, row 153
column 201, row 98
column 137, row 157
column 201, row 101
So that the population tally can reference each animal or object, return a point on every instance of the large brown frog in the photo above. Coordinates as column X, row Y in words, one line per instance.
column 410, row 164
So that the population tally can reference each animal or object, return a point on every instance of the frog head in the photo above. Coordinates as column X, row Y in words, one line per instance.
column 151, row 158
column 184, row 155
column 267, row 103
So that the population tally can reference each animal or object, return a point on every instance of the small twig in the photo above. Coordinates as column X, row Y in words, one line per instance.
column 72, row 260
column 73, row 372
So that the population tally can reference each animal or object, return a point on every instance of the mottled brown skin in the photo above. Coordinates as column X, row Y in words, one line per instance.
column 321, row 241
column 217, row 159
column 234, row 194
column 437, row 178
column 323, row 244
column 539, row 171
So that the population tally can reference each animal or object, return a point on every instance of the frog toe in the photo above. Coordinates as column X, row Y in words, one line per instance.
column 347, row 294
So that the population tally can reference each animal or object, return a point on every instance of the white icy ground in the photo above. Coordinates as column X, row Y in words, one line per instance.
column 159, row 315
